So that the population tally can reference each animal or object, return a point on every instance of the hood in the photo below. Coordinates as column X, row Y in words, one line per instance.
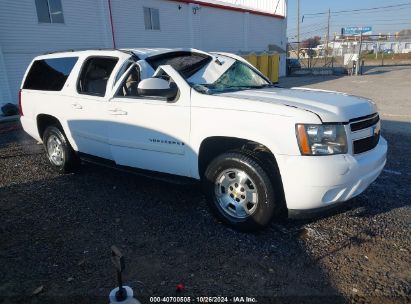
column 328, row 105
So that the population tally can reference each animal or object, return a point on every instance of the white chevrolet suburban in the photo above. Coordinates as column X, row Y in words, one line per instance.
column 259, row 150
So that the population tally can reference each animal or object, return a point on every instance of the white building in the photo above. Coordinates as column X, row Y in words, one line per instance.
column 32, row 27
column 339, row 48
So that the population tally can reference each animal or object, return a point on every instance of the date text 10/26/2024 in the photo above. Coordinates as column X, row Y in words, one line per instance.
column 220, row 299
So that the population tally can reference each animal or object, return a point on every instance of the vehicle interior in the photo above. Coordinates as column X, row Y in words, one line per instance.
column 130, row 84
column 186, row 63
column 95, row 74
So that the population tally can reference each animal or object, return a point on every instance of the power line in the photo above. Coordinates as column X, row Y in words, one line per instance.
column 372, row 12
column 359, row 10
column 397, row 10
column 306, row 25
column 374, row 24
column 377, row 22
column 308, row 32
column 377, row 14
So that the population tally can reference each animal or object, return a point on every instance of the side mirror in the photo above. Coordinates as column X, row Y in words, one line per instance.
column 157, row 87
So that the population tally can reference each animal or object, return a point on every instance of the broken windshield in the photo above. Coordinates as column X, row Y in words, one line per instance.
column 238, row 76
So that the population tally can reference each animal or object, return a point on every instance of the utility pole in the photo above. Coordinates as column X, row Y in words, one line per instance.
column 327, row 37
column 357, row 68
column 377, row 50
column 298, row 30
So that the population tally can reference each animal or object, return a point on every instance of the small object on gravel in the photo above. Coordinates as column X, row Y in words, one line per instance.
column 70, row 279
column 306, row 233
column 355, row 290
column 180, row 287
column 392, row 172
column 365, row 257
column 310, row 233
column 38, row 290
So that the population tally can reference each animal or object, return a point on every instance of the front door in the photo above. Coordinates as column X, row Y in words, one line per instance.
column 150, row 133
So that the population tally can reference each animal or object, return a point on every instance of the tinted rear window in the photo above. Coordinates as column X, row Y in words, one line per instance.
column 49, row 74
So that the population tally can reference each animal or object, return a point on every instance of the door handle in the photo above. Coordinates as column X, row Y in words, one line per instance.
column 77, row 106
column 117, row 112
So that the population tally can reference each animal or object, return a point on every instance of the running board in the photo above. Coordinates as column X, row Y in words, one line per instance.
column 163, row 177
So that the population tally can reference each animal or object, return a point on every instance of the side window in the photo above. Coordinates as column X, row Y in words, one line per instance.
column 94, row 75
column 122, row 70
column 151, row 18
column 49, row 74
column 130, row 84
column 49, row 11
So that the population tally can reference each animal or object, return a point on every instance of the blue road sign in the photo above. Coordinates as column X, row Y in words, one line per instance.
column 357, row 30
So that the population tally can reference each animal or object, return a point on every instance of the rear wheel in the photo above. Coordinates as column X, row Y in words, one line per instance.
column 239, row 191
column 60, row 154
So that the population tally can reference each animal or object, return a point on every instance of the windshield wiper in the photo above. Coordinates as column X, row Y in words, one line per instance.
column 245, row 87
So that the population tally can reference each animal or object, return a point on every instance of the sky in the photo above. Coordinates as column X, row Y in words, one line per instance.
column 384, row 20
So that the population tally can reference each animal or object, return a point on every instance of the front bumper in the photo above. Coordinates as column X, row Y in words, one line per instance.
column 321, row 182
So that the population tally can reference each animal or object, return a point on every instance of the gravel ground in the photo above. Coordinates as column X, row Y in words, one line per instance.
column 56, row 232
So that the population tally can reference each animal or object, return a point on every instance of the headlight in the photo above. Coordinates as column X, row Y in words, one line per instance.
column 321, row 139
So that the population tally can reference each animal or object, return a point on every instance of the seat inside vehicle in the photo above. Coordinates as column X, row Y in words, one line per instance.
column 95, row 74
column 97, row 81
column 131, row 84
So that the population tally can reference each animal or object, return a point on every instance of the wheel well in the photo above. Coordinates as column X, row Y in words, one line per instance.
column 213, row 146
column 43, row 121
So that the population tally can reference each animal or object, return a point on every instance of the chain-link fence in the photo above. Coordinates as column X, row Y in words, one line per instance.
column 342, row 56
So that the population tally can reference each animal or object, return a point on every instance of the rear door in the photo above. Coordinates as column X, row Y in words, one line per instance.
column 87, row 108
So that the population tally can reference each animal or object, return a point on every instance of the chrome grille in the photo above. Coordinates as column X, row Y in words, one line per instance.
column 365, row 132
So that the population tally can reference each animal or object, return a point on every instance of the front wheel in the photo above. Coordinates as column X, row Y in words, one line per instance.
column 239, row 191
column 61, row 155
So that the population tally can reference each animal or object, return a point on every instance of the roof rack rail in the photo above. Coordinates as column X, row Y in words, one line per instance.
column 90, row 49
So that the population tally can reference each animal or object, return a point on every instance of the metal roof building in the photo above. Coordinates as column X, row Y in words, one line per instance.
column 32, row 27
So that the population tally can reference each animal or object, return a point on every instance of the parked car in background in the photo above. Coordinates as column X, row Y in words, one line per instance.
column 293, row 64
column 260, row 151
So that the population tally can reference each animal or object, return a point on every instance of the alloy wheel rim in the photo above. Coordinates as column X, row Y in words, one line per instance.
column 236, row 193
column 55, row 150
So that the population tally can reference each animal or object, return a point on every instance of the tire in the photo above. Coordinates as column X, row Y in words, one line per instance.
column 61, row 155
column 240, row 192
